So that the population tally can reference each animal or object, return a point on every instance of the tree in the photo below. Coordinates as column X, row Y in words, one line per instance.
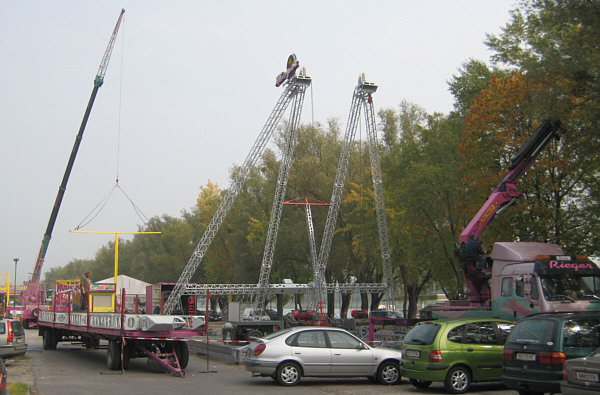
column 550, row 46
column 426, row 197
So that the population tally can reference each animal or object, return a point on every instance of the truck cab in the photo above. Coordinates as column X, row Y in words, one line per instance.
column 532, row 278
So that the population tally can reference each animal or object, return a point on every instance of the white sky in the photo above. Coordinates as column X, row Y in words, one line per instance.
column 188, row 89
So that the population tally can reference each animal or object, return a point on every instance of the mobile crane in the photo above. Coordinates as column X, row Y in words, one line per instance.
column 33, row 298
column 525, row 277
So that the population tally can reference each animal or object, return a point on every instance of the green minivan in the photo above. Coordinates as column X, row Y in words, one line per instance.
column 456, row 352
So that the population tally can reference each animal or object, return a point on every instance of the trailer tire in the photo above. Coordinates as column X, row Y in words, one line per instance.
column 127, row 349
column 90, row 342
column 49, row 339
column 183, row 353
column 113, row 355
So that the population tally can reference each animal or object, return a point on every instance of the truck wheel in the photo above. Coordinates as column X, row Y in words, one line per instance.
column 253, row 333
column 458, row 380
column 183, row 353
column 389, row 373
column 113, row 355
column 288, row 374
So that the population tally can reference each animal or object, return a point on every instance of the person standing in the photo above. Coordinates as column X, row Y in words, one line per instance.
column 85, row 290
column 474, row 251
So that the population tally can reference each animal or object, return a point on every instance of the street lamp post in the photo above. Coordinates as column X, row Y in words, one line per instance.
column 15, row 285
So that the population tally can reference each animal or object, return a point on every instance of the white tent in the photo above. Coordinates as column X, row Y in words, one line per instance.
column 132, row 286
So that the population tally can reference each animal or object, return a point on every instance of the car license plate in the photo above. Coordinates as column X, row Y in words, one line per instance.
column 525, row 357
column 586, row 376
column 19, row 341
column 413, row 353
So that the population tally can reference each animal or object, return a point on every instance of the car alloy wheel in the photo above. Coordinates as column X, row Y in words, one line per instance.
column 458, row 380
column 288, row 374
column 389, row 373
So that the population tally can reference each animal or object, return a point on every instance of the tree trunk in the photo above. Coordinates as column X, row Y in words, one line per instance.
column 346, row 298
column 376, row 300
column 331, row 305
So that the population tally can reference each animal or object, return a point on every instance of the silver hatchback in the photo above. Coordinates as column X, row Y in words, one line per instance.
column 12, row 338
column 290, row 354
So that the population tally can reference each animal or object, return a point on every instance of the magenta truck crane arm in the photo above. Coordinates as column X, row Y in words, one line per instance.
column 506, row 194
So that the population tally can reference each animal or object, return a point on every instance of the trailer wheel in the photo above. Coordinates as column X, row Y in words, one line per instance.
column 113, row 355
column 127, row 349
column 183, row 353
column 49, row 340
column 90, row 342
column 35, row 313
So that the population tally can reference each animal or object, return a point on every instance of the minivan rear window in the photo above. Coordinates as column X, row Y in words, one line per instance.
column 424, row 333
column 582, row 333
column 534, row 332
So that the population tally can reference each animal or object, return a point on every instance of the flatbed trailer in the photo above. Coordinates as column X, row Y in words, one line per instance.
column 163, row 338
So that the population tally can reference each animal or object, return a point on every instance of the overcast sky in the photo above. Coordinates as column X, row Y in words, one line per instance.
column 188, row 89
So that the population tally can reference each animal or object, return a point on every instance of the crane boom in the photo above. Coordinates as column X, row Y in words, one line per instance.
column 295, row 86
column 35, row 278
column 506, row 194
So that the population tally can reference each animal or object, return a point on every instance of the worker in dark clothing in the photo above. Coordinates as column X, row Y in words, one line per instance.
column 475, row 252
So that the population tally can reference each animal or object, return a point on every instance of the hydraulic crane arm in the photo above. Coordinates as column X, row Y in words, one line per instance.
column 506, row 194
column 98, row 81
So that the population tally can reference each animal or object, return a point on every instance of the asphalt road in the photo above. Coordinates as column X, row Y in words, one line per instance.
column 72, row 369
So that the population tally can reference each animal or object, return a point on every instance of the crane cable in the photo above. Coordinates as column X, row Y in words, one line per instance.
column 100, row 206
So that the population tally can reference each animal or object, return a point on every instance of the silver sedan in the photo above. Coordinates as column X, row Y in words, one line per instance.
column 290, row 354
